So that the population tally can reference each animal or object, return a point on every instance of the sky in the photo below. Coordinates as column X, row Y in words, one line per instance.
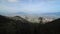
column 29, row 6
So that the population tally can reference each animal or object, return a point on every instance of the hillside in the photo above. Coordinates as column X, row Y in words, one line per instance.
column 52, row 27
column 12, row 26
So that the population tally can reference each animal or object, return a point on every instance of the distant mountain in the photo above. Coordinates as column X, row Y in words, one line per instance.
column 18, row 14
column 54, row 14
column 21, row 13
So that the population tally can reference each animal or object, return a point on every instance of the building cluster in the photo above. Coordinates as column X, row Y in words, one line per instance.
column 39, row 19
column 34, row 19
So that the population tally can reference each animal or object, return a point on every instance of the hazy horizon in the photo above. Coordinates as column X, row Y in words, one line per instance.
column 29, row 6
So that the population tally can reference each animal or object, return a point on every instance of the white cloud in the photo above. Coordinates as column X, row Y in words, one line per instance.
column 12, row 0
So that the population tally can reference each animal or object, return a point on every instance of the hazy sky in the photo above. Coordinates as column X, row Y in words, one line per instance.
column 30, row 6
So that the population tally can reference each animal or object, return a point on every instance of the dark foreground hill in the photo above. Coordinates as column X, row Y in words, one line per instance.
column 10, row 26
column 51, row 27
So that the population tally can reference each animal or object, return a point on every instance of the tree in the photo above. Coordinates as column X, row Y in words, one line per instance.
column 40, row 20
